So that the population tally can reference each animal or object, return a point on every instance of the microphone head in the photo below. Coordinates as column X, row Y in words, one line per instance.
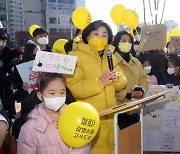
column 109, row 52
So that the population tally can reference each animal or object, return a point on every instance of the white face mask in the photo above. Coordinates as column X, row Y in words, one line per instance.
column 43, row 40
column 1, row 44
column 137, row 38
column 170, row 70
column 54, row 103
column 147, row 69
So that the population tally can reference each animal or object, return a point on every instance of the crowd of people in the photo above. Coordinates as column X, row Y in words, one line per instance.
column 35, row 129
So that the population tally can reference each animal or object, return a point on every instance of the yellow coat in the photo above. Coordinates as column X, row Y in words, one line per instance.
column 86, row 86
column 135, row 75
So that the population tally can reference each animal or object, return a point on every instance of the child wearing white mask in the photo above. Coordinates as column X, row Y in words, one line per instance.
column 39, row 134
column 173, row 72
column 146, row 64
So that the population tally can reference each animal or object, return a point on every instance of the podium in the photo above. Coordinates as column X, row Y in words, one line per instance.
column 130, row 139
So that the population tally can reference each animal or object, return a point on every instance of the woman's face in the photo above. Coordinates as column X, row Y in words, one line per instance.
column 100, row 32
column 125, row 38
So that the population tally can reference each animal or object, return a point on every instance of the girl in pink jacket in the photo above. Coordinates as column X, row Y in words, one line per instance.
column 39, row 135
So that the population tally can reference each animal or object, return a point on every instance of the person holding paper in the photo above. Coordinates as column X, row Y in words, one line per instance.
column 137, row 79
column 94, row 83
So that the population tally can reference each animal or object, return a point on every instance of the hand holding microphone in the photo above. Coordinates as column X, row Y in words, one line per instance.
column 110, row 61
column 113, row 73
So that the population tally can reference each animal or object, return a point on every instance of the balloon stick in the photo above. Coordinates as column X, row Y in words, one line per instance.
column 137, row 35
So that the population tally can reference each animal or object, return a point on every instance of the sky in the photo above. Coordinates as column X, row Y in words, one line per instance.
column 100, row 9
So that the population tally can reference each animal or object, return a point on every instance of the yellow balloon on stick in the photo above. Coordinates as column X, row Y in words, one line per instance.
column 116, row 14
column 32, row 28
column 81, row 18
column 175, row 32
column 130, row 18
column 78, row 124
column 58, row 46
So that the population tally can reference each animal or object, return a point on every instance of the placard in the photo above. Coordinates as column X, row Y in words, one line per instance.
column 28, row 76
column 54, row 62
column 161, row 121
column 153, row 37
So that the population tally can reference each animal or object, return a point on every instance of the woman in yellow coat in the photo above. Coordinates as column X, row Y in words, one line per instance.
column 123, row 41
column 94, row 83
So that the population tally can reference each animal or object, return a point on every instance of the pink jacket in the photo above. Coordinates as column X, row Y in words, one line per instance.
column 39, row 135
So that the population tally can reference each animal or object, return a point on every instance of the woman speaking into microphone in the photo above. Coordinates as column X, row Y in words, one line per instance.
column 94, row 83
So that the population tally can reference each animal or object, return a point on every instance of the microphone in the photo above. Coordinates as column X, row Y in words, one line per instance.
column 109, row 57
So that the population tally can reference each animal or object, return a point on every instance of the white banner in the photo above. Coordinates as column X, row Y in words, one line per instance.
column 54, row 62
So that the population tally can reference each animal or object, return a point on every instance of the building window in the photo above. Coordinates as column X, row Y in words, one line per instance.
column 3, row 7
column 53, row 30
column 62, row 30
column 66, row 1
column 52, row 20
column 52, row 7
column 2, row 17
column 53, row 1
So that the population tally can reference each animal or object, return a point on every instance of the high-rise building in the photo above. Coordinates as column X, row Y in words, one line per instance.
column 11, row 16
column 15, row 18
column 80, row 3
column 3, row 13
column 54, row 15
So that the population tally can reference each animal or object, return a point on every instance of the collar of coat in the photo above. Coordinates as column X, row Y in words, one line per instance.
column 41, row 119
column 121, row 60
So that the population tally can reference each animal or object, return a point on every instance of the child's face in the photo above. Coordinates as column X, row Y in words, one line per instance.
column 55, row 88
column 100, row 32
column 146, row 63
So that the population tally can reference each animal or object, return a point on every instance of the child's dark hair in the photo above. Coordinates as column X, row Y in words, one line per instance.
column 144, row 57
column 32, row 100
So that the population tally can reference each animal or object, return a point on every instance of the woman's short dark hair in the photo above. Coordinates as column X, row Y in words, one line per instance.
column 94, row 26
column 118, row 36
column 40, row 30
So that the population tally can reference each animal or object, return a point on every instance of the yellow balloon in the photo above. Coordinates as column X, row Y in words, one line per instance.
column 58, row 46
column 116, row 14
column 81, row 18
column 32, row 28
column 175, row 32
column 168, row 37
column 78, row 124
column 130, row 18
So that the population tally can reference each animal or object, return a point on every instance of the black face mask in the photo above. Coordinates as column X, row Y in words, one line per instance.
column 14, row 62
